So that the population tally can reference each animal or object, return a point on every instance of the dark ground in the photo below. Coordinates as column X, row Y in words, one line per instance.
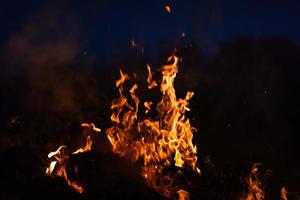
column 245, row 110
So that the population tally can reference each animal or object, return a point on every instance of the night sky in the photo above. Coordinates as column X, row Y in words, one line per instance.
column 105, row 28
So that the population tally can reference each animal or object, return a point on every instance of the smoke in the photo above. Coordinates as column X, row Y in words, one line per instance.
column 44, row 53
column 44, row 81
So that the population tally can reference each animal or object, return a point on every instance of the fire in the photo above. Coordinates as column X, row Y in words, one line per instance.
column 60, row 163
column 283, row 193
column 255, row 191
column 151, row 83
column 87, row 147
column 92, row 126
column 183, row 195
column 61, row 158
column 168, row 9
column 158, row 143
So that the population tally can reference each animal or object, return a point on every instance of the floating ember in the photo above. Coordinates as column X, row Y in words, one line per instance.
column 168, row 9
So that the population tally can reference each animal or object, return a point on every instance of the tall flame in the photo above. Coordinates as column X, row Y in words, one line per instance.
column 161, row 142
column 255, row 192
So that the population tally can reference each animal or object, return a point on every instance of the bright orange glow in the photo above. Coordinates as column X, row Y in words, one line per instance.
column 254, row 185
column 183, row 195
column 161, row 142
column 168, row 9
column 283, row 193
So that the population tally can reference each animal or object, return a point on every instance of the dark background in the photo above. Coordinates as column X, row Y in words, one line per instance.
column 59, row 61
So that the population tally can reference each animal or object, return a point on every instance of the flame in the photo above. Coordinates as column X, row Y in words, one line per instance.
column 147, row 106
column 254, row 185
column 183, row 195
column 161, row 142
column 51, row 167
column 168, row 9
column 283, row 193
column 60, row 159
column 87, row 147
column 60, row 164
column 92, row 126
column 150, row 81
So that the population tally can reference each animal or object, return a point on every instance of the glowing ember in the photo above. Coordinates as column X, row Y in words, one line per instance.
column 254, row 185
column 133, row 44
column 161, row 142
column 168, row 9
column 61, row 159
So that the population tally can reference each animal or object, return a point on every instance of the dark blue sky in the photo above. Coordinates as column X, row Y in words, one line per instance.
column 107, row 27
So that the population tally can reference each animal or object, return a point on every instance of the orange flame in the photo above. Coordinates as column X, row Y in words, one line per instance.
column 92, row 126
column 87, row 147
column 283, row 193
column 158, row 143
column 183, row 195
column 60, row 162
column 61, row 159
column 254, row 185
column 147, row 106
column 168, row 9
column 151, row 83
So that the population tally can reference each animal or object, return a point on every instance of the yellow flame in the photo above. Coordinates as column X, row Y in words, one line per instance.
column 92, row 126
column 50, row 169
column 87, row 147
column 147, row 106
column 150, row 81
column 54, row 153
column 160, row 142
